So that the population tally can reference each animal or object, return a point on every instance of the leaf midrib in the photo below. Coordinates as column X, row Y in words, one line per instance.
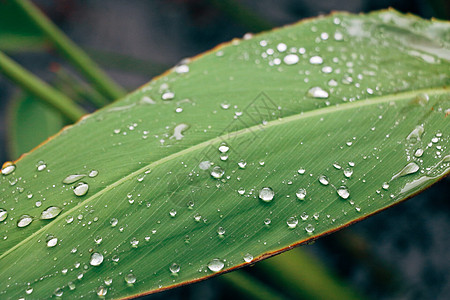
column 292, row 118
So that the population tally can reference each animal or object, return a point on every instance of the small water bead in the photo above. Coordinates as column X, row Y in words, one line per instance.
column 434, row 140
column 178, row 131
column 29, row 290
column 96, row 259
column 81, row 189
column 173, row 213
column 130, row 278
column 58, row 292
column 291, row 59
column 41, row 166
column 351, row 163
column 73, row 178
column 167, row 96
column 281, row 47
column 217, row 172
column 410, row 168
column 93, row 173
column 174, row 268
column 182, row 69
column 343, row 192
column 197, row 217
column 8, row 168
column 318, row 93
column 204, row 165
column 266, row 194
column 301, row 171
column 98, row 240
column 24, row 221
column 134, row 242
column 241, row 191
column 338, row 36
column 385, row 186
column 309, row 228
column 51, row 213
column 102, row 291
column 262, row 163
column 348, row 172
column 416, row 134
column 223, row 148
column 69, row 219
column 248, row 257
column 114, row 222
column 304, row 216
column 220, row 231
column 115, row 258
column 108, row 281
column 316, row 60
column 29, row 195
column 242, row 164
column 216, row 265
column 418, row 152
column 324, row 180
column 223, row 157
column 267, row 221
column 301, row 194
column 3, row 214
column 52, row 241
column 292, row 222
column 71, row 285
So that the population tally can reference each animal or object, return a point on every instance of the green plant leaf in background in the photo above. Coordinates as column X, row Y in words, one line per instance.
column 17, row 33
column 27, row 113
column 253, row 148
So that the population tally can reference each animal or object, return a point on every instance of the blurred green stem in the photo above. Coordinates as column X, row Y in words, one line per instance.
column 39, row 88
column 250, row 286
column 72, row 52
column 304, row 276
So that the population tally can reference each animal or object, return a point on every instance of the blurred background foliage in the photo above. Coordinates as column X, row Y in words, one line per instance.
column 401, row 253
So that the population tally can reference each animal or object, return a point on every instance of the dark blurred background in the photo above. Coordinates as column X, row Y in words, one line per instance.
column 402, row 253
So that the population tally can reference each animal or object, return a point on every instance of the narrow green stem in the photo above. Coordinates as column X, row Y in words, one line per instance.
column 39, row 88
column 303, row 276
column 251, row 287
column 72, row 52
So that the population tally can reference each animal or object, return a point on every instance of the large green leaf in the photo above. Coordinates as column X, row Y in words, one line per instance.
column 347, row 122
column 30, row 122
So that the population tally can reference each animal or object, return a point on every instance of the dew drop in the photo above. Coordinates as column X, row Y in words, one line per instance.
column 168, row 96
column 318, row 93
column 291, row 59
column 174, row 268
column 220, row 231
column 102, row 291
column 410, row 168
column 316, row 60
column 343, row 192
column 93, row 173
column 301, row 171
column 3, row 214
column 108, row 281
column 241, row 191
column 348, row 172
column 73, row 178
column 81, row 189
column 217, row 172
column 267, row 221
column 98, row 240
column 134, row 242
column 292, row 222
column 96, row 259
column 416, row 134
column 281, row 47
column 178, row 131
column 266, row 194
column 385, row 186
column 301, row 194
column 173, row 213
column 309, row 228
column 52, row 241
column 24, row 221
column 324, row 180
column 130, row 278
column 216, row 265
column 418, row 152
column 223, row 148
column 242, row 164
column 51, row 213
column 29, row 290
column 204, row 165
column 41, row 166
column 8, row 168
column 182, row 69
column 248, row 257
column 58, row 292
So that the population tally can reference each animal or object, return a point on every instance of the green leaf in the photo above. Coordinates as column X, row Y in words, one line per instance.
column 366, row 96
column 30, row 122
